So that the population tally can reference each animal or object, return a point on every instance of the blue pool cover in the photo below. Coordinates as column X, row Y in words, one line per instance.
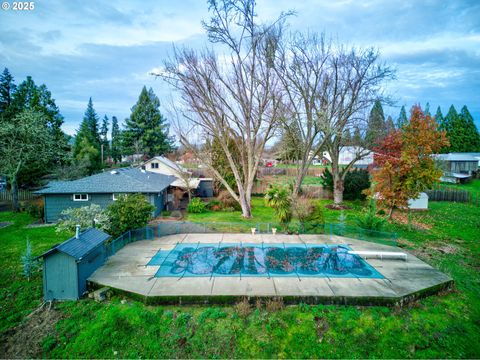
column 264, row 260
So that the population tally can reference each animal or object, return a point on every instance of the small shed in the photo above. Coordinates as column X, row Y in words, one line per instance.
column 67, row 266
column 421, row 203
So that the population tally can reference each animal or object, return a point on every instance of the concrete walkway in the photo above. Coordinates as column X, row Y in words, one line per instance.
column 404, row 280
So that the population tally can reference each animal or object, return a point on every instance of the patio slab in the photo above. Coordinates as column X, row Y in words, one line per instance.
column 127, row 271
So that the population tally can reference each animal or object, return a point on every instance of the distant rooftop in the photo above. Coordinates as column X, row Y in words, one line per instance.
column 129, row 180
column 456, row 157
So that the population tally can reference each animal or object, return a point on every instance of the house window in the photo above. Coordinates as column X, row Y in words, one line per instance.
column 116, row 196
column 80, row 197
column 154, row 165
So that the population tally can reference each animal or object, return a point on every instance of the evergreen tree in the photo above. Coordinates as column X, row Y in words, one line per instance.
column 115, row 152
column 146, row 128
column 289, row 143
column 439, row 118
column 376, row 127
column 390, row 125
column 7, row 88
column 104, row 138
column 347, row 137
column 88, row 140
column 471, row 137
column 402, row 118
column 357, row 137
column 427, row 109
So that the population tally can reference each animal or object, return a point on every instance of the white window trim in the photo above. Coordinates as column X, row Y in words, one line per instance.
column 115, row 198
column 74, row 199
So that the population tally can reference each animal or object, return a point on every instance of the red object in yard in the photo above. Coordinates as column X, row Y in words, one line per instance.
column 269, row 164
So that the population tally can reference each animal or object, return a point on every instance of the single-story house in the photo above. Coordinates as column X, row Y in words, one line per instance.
column 103, row 189
column 201, row 187
column 457, row 167
column 349, row 153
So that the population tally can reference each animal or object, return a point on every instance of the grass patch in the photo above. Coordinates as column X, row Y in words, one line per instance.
column 442, row 326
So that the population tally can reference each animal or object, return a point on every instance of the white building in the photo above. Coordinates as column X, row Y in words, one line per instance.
column 349, row 153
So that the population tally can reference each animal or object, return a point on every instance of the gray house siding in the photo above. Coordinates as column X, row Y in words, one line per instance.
column 60, row 277
column 158, row 200
column 91, row 262
column 56, row 203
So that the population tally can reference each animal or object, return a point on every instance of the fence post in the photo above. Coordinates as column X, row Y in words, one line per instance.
column 129, row 236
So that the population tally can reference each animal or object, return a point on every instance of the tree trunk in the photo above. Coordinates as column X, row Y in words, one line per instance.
column 246, row 206
column 337, row 187
column 15, row 205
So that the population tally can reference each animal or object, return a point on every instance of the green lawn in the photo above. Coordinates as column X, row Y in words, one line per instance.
column 472, row 186
column 443, row 326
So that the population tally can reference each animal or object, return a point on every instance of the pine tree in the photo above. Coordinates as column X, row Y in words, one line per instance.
column 471, row 137
column 376, row 128
column 115, row 152
column 427, row 109
column 7, row 88
column 146, row 127
column 390, row 125
column 88, row 140
column 104, row 138
column 347, row 137
column 402, row 118
column 439, row 119
column 357, row 137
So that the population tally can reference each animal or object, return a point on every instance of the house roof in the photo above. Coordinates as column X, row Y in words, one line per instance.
column 167, row 162
column 77, row 248
column 455, row 157
column 127, row 180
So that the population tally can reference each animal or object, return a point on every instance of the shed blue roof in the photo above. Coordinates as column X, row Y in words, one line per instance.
column 116, row 181
column 86, row 242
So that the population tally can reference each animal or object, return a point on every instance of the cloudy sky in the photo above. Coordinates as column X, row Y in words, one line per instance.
column 106, row 49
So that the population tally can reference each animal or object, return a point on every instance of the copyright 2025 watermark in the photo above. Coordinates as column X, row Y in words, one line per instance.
column 18, row 5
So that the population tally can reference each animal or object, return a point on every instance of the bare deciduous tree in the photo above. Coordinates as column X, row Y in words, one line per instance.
column 233, row 95
column 354, row 83
column 302, row 65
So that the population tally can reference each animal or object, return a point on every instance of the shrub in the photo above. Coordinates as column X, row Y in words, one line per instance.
column 166, row 213
column 37, row 211
column 214, row 205
column 355, row 182
column 196, row 206
column 369, row 220
column 315, row 222
column 278, row 198
column 303, row 208
column 83, row 216
column 28, row 261
column 129, row 212
column 228, row 201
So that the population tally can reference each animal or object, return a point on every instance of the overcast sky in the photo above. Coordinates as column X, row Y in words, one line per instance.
column 106, row 49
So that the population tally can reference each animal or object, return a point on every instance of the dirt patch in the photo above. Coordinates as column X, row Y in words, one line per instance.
column 402, row 218
column 25, row 340
column 321, row 327
column 337, row 207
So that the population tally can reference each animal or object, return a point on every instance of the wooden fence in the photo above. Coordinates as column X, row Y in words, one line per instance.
column 7, row 195
column 314, row 192
column 448, row 194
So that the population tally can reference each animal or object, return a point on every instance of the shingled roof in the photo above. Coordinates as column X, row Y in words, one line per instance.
column 116, row 181
column 81, row 246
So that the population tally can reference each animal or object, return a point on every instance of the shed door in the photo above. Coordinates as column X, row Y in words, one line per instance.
column 60, row 277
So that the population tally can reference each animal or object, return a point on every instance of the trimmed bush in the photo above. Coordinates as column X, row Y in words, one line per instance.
column 196, row 206
column 129, row 212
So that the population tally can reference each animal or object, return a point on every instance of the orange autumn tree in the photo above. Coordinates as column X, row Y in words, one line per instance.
column 403, row 163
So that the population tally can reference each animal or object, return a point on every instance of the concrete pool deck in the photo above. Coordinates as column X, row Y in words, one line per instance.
column 126, row 271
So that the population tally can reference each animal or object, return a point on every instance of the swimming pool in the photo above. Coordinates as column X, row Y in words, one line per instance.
column 267, row 260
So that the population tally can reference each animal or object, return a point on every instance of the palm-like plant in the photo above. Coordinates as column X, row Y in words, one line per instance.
column 279, row 199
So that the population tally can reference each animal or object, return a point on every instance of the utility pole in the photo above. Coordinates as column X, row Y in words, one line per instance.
column 101, row 151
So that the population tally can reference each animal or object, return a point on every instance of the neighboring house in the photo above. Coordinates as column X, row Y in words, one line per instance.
column 457, row 167
column 201, row 187
column 103, row 189
column 348, row 153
